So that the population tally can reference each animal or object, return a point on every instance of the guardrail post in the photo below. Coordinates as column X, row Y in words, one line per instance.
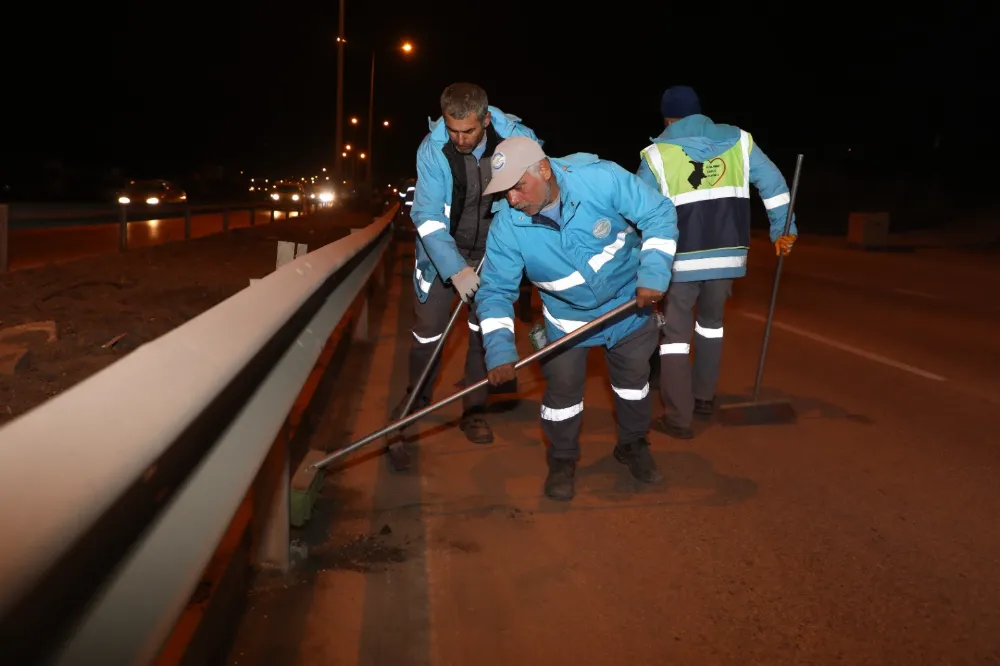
column 272, row 215
column 122, row 227
column 389, row 259
column 187, row 222
column 4, row 237
column 225, row 218
column 361, row 323
column 380, row 274
column 272, row 507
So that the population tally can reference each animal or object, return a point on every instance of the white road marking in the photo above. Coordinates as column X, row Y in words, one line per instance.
column 871, row 356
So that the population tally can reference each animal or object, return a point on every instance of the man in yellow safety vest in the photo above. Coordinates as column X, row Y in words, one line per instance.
column 706, row 170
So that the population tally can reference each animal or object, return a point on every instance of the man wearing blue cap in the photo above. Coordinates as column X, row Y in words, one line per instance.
column 706, row 170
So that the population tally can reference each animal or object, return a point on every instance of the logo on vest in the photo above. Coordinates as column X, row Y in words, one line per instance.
column 498, row 161
column 712, row 171
column 602, row 228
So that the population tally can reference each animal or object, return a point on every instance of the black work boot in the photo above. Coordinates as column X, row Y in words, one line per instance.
column 704, row 409
column 676, row 431
column 639, row 460
column 559, row 482
column 399, row 456
column 475, row 427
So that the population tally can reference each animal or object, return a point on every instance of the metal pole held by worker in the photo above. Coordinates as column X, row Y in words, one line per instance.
column 777, row 278
column 569, row 337
column 771, row 412
column 414, row 390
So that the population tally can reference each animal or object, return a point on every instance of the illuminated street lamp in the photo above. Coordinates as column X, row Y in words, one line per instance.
column 338, row 166
column 407, row 49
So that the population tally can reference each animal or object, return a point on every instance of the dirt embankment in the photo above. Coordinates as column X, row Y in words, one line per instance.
column 62, row 323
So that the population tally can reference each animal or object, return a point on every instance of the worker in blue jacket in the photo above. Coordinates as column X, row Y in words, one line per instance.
column 566, row 224
column 706, row 170
column 406, row 190
column 406, row 193
column 452, row 216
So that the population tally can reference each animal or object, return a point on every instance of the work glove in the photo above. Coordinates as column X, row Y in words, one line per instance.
column 645, row 296
column 466, row 283
column 502, row 374
column 784, row 244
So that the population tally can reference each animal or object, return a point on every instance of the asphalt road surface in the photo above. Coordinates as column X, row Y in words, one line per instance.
column 864, row 534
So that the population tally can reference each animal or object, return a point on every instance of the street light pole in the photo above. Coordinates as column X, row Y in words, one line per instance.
column 338, row 165
column 371, row 121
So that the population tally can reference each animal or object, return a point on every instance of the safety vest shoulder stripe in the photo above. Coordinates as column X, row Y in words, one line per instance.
column 655, row 161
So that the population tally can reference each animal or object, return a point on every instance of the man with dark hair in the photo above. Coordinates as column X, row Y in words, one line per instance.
column 706, row 170
column 452, row 217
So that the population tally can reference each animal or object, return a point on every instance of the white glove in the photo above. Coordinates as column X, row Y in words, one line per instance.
column 466, row 282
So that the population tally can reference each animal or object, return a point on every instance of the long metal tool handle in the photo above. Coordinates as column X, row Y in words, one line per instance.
column 777, row 277
column 415, row 390
column 583, row 330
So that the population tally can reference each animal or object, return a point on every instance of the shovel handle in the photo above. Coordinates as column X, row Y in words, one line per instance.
column 415, row 390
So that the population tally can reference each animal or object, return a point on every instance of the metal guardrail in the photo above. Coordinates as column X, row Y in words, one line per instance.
column 28, row 214
column 134, row 475
column 21, row 216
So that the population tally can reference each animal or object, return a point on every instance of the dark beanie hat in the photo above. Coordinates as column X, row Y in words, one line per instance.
column 679, row 102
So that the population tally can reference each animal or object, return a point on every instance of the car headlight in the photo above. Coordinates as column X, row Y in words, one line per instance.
column 124, row 201
column 275, row 196
column 295, row 197
column 152, row 201
column 326, row 197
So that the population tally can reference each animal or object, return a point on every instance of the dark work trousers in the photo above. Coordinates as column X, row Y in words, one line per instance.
column 429, row 321
column 679, row 386
column 565, row 374
column 524, row 312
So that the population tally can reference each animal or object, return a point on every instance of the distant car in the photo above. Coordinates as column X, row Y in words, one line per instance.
column 289, row 194
column 326, row 195
column 151, row 193
column 322, row 194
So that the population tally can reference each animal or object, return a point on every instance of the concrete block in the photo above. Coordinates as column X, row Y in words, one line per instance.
column 866, row 230
column 286, row 253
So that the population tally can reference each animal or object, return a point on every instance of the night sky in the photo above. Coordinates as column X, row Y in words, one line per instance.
column 158, row 89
